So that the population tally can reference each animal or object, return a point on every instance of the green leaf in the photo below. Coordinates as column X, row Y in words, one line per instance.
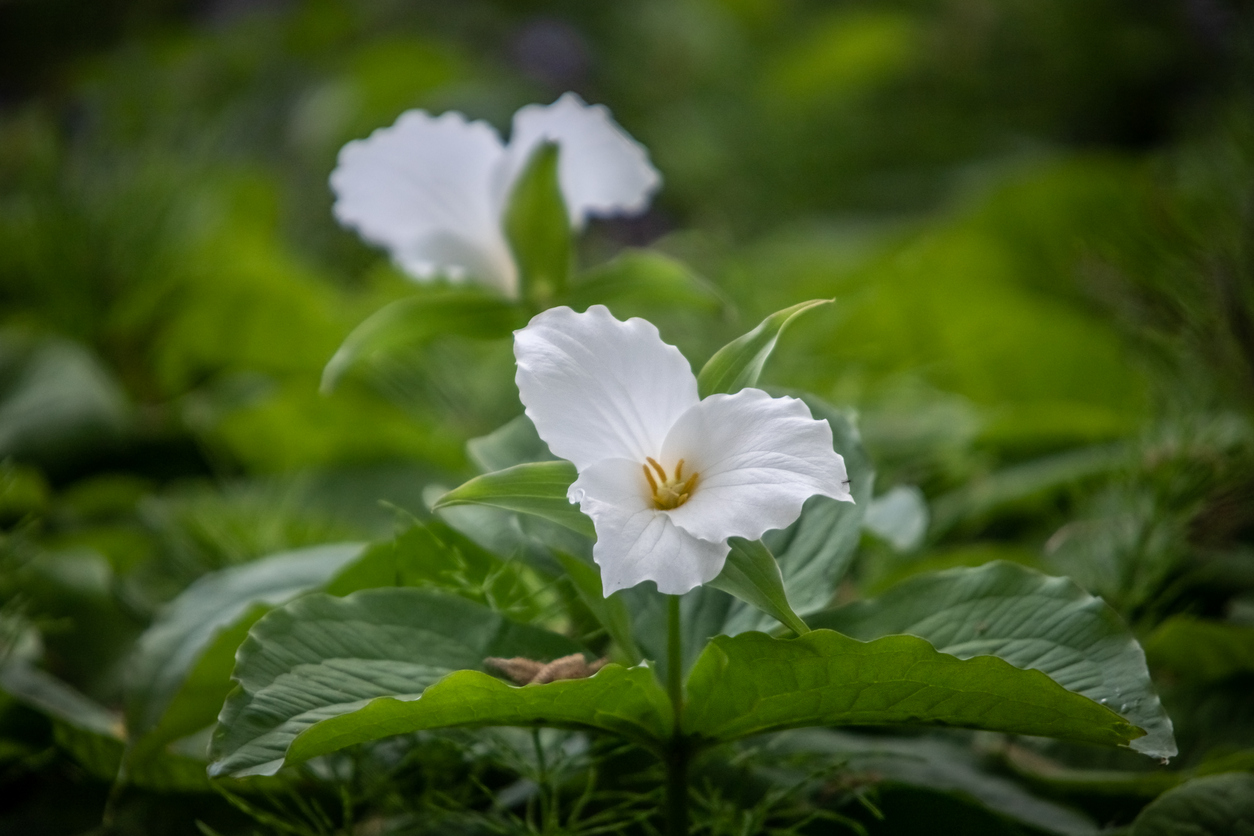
column 516, row 442
column 1030, row 620
column 1217, row 805
column 753, row 683
column 180, row 673
column 611, row 613
column 537, row 488
column 320, row 656
column 644, row 280
column 537, row 226
column 752, row 575
column 739, row 363
column 416, row 320
column 936, row 764
column 627, row 702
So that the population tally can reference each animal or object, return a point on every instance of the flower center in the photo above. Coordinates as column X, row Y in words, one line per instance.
column 669, row 493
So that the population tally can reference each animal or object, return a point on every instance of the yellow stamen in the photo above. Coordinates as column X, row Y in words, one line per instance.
column 669, row 493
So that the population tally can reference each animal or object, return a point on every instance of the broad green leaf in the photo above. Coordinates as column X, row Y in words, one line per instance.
column 537, row 225
column 645, row 280
column 1217, row 805
column 899, row 518
column 1202, row 652
column 1030, row 620
column 752, row 575
column 321, row 656
column 180, row 673
column 627, row 702
column 753, row 683
column 537, row 488
column 815, row 552
column 739, row 363
column 611, row 613
column 516, row 442
column 416, row 320
column 936, row 764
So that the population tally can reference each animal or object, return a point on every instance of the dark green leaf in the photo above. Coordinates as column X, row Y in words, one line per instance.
column 753, row 683
column 537, row 225
column 739, row 363
column 537, row 488
column 1030, row 620
column 752, row 575
column 1217, row 805
column 936, row 764
column 1202, row 651
column 320, row 656
column 180, row 673
column 416, row 320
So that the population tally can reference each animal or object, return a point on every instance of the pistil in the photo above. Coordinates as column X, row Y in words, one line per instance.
column 669, row 493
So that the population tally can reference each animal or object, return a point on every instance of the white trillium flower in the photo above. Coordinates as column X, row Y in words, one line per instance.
column 666, row 477
column 433, row 190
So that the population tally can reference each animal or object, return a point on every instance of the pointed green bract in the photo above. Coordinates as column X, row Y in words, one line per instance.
column 320, row 657
column 1032, row 621
column 537, row 225
column 739, row 363
column 752, row 575
column 611, row 613
column 537, row 488
column 416, row 320
column 753, row 683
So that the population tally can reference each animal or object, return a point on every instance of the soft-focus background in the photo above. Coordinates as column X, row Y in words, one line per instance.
column 1036, row 218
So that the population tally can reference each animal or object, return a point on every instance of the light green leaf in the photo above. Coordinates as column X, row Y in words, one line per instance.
column 320, row 656
column 180, row 673
column 611, row 613
column 627, row 702
column 753, row 683
column 1217, row 805
column 752, row 575
column 537, row 488
column 643, row 279
column 537, row 225
column 1030, row 620
column 415, row 320
column 739, row 363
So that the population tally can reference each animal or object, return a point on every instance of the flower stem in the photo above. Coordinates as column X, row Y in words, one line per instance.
column 677, row 753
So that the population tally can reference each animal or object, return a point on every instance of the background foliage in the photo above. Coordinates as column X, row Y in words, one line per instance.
column 1036, row 219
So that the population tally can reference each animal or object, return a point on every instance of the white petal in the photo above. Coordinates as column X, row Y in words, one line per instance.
column 635, row 541
column 601, row 169
column 597, row 388
column 423, row 189
column 759, row 459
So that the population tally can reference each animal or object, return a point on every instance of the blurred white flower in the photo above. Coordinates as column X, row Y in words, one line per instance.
column 433, row 190
column 666, row 477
